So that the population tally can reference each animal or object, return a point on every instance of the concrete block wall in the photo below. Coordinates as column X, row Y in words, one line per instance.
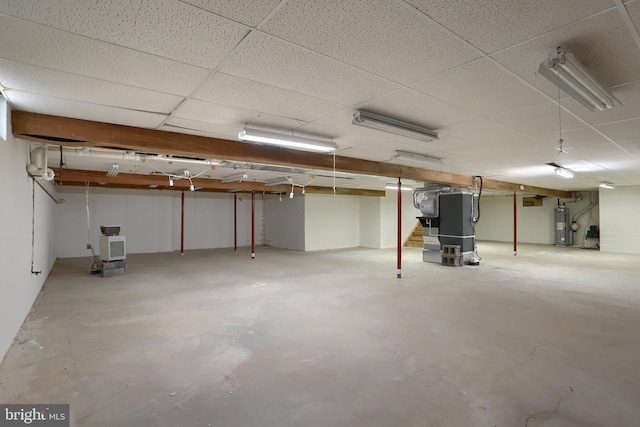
column 20, row 198
column 151, row 219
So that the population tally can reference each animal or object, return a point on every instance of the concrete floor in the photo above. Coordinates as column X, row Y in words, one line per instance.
column 548, row 338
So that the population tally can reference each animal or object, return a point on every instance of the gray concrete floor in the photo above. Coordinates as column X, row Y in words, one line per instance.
column 547, row 338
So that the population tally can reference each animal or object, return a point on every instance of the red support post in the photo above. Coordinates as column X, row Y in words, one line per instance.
column 399, row 275
column 253, row 224
column 515, row 224
column 182, row 228
column 235, row 222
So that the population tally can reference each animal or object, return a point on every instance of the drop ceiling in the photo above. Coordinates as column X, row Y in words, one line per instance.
column 465, row 69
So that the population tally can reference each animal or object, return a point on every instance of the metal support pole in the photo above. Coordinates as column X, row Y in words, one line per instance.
column 235, row 222
column 515, row 224
column 399, row 275
column 182, row 228
column 253, row 224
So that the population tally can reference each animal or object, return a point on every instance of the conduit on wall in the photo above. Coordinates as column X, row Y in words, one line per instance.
column 182, row 227
column 253, row 224
column 235, row 222
column 515, row 224
column 33, row 225
column 399, row 274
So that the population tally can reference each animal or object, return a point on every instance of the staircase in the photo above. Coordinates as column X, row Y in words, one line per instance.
column 415, row 238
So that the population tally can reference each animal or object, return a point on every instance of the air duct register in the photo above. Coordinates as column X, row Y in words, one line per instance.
column 113, row 246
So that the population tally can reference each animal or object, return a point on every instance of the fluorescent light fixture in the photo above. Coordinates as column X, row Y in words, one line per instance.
column 115, row 168
column 395, row 187
column 235, row 177
column 408, row 156
column 277, row 181
column 289, row 141
column 564, row 70
column 398, row 127
column 606, row 185
column 565, row 173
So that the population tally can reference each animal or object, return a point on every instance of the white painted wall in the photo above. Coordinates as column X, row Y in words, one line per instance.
column 620, row 227
column 389, row 215
column 331, row 222
column 18, row 287
column 535, row 223
column 284, row 222
column 151, row 220
column 370, row 222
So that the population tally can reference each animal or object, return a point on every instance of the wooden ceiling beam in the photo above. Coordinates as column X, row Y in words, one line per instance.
column 78, row 133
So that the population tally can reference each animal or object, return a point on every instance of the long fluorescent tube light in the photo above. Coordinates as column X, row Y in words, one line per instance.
column 235, row 177
column 565, row 173
column 277, row 181
column 398, row 127
column 289, row 141
column 408, row 156
column 115, row 168
column 395, row 187
column 606, row 185
column 564, row 70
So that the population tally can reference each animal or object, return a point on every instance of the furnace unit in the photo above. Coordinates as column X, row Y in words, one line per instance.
column 447, row 220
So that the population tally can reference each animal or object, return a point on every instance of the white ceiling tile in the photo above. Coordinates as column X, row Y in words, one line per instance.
column 43, row 81
column 632, row 146
column 572, row 138
column 627, row 94
column 581, row 166
column 361, row 32
column 492, row 25
column 537, row 158
column 67, row 57
column 342, row 137
column 482, row 87
column 194, row 127
column 202, row 111
column 538, row 119
column 250, row 95
column 416, row 108
column 249, row 13
column 196, row 36
column 496, row 150
column 47, row 47
column 367, row 154
column 446, row 142
column 621, row 131
column 482, row 131
column 602, row 151
column 612, row 59
column 277, row 63
column 43, row 104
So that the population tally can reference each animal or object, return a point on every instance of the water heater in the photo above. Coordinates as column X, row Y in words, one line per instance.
column 562, row 227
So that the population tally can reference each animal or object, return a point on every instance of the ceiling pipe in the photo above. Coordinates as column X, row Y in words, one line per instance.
column 105, row 153
column 592, row 204
column 37, row 167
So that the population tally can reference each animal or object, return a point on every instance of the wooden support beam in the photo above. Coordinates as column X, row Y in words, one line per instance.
column 78, row 133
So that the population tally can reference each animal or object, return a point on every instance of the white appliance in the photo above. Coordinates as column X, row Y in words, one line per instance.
column 113, row 248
